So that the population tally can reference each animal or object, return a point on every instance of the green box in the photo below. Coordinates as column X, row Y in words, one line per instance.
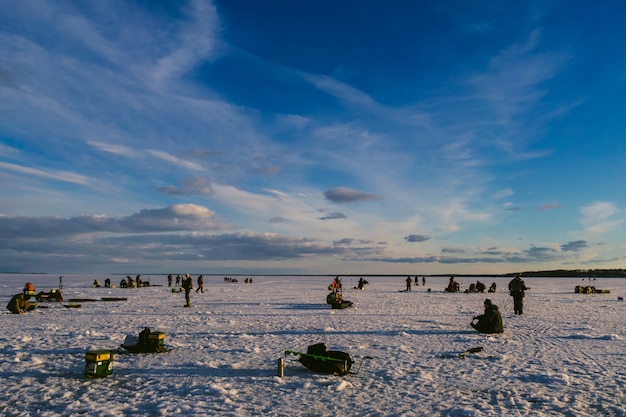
column 98, row 363
column 156, row 341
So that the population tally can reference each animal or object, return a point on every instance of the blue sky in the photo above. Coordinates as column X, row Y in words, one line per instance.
column 325, row 137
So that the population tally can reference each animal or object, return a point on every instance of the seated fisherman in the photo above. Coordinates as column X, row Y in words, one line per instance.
column 19, row 304
column 362, row 283
column 490, row 321
column 453, row 286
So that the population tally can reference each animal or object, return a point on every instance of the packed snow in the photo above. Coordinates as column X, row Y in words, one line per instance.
column 564, row 356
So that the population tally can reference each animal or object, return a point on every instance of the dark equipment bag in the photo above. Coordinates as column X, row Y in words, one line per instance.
column 318, row 359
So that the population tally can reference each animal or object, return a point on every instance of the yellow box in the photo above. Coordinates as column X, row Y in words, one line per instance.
column 98, row 355
column 156, row 336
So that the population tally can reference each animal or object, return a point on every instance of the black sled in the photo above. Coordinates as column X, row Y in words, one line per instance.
column 147, row 342
column 318, row 359
column 335, row 299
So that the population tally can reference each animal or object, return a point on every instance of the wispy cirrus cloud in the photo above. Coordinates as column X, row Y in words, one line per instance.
column 550, row 206
column 599, row 217
column 63, row 176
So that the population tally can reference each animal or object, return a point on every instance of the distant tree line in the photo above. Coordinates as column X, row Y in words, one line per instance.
column 557, row 273
column 578, row 273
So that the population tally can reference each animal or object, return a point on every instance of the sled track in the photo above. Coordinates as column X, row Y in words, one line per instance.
column 537, row 347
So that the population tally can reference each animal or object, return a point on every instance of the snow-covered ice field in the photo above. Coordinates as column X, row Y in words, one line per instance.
column 564, row 357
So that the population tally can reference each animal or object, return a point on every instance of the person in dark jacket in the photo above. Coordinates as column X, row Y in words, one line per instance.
column 19, row 304
column 408, row 283
column 362, row 283
column 201, row 283
column 516, row 289
column 187, row 286
column 453, row 286
column 489, row 322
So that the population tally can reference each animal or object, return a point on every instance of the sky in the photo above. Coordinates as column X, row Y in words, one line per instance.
column 311, row 137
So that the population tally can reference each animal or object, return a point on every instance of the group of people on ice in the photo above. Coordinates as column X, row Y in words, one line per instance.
column 409, row 282
column 136, row 283
column 454, row 286
column 491, row 320
column 186, row 283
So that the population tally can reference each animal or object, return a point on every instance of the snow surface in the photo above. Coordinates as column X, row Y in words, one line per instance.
column 565, row 356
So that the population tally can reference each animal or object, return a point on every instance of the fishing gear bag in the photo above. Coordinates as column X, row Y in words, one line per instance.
column 318, row 359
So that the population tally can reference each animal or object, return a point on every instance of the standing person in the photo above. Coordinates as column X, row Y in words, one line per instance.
column 516, row 289
column 169, row 280
column 408, row 283
column 490, row 321
column 423, row 280
column 335, row 286
column 187, row 286
column 178, row 280
column 201, row 284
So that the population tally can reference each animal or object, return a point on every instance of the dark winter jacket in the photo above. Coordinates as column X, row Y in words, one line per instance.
column 490, row 322
column 517, row 287
column 18, row 304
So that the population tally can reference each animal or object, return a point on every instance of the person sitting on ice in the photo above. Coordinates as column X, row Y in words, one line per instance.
column 489, row 322
column 480, row 287
column 492, row 288
column 453, row 286
column 19, row 304
column 362, row 283
column 96, row 284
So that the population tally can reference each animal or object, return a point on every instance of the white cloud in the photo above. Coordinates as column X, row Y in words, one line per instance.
column 119, row 150
column 196, row 41
column 598, row 218
column 175, row 160
column 63, row 176
column 503, row 193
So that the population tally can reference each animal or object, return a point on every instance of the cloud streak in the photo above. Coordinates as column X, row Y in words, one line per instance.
column 341, row 195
